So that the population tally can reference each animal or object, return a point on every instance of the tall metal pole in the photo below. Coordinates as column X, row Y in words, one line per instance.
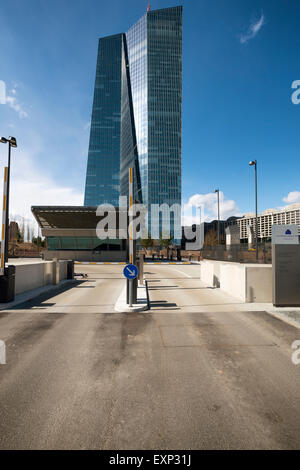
column 254, row 163
column 7, row 205
column 218, row 192
column 256, row 212
column 200, row 207
column 131, row 248
column 218, row 217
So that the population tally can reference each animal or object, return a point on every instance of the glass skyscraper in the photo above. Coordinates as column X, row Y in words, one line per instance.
column 103, row 168
column 138, row 106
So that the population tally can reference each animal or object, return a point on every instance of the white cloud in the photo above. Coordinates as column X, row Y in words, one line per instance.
column 253, row 30
column 209, row 208
column 15, row 105
column 292, row 198
column 11, row 99
column 30, row 186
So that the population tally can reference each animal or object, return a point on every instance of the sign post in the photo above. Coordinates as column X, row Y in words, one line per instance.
column 285, row 265
column 131, row 273
column 285, row 235
column 141, row 268
column 132, row 282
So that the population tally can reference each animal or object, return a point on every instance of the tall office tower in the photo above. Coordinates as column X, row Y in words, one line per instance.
column 137, row 114
column 129, row 151
column 155, row 65
column 103, row 168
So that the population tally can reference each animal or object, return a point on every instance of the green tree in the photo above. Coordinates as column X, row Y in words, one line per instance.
column 19, row 236
column 211, row 238
column 165, row 242
column 38, row 241
column 147, row 242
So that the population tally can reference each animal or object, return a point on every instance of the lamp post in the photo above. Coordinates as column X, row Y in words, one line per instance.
column 12, row 142
column 218, row 192
column 254, row 163
column 200, row 221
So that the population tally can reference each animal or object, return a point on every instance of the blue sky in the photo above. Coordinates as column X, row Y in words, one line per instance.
column 240, row 59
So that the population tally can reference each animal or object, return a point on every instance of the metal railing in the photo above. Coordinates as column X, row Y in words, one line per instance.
column 239, row 253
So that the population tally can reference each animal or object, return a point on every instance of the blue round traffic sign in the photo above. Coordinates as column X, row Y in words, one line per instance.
column 131, row 271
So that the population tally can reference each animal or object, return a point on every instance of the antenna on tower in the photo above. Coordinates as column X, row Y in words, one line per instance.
column 149, row 6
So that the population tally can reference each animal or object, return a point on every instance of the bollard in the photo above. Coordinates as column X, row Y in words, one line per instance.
column 7, row 285
column 141, row 269
column 55, row 271
column 70, row 269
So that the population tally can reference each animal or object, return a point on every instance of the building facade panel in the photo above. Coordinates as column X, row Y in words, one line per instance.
column 289, row 216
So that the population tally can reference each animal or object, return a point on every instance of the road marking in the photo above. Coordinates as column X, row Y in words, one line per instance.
column 187, row 275
column 2, row 353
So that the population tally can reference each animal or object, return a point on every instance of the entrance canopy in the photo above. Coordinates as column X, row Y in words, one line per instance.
column 69, row 220
column 70, row 232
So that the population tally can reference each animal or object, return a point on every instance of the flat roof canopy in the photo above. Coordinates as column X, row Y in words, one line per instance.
column 68, row 217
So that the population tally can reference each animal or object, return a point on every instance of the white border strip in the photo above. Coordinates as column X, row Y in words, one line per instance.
column 86, row 263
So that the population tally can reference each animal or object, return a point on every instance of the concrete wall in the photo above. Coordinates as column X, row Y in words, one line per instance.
column 210, row 272
column 35, row 275
column 103, row 256
column 233, row 280
column 245, row 282
column 259, row 283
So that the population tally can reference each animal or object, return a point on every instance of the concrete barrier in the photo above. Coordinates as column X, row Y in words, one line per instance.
column 210, row 272
column 86, row 256
column 207, row 273
column 233, row 280
column 36, row 275
column 245, row 282
column 259, row 283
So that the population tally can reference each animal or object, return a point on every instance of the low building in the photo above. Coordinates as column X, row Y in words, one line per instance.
column 288, row 216
column 208, row 227
column 70, row 234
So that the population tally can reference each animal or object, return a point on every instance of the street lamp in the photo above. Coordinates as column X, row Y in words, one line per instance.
column 200, row 209
column 12, row 142
column 254, row 163
column 218, row 192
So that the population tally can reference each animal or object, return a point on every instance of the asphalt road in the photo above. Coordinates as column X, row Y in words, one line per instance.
column 193, row 373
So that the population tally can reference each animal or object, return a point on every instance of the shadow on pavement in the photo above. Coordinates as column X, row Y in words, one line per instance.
column 42, row 298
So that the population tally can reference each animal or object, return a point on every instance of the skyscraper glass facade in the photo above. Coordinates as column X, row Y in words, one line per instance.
column 155, row 64
column 140, row 75
column 103, row 168
column 138, row 58
column 129, row 150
